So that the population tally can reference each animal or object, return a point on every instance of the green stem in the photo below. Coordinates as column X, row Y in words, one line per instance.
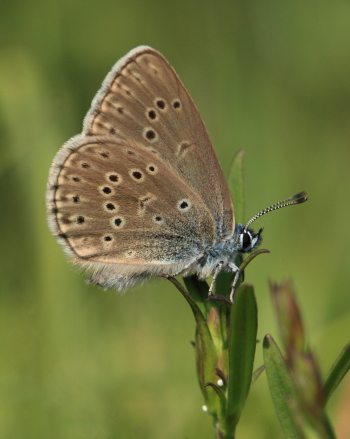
column 219, row 434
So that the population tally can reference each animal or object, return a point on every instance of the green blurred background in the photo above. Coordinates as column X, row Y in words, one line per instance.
column 270, row 77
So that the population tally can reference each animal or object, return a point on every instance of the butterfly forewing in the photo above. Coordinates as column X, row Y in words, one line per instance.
column 143, row 99
column 140, row 192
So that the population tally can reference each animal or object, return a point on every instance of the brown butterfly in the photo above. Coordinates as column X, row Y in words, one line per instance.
column 140, row 191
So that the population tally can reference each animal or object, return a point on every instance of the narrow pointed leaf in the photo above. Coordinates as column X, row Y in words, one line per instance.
column 257, row 373
column 221, row 375
column 198, row 315
column 221, row 396
column 337, row 372
column 206, row 354
column 202, row 327
column 253, row 255
column 198, row 290
column 282, row 388
column 242, row 344
column 220, row 298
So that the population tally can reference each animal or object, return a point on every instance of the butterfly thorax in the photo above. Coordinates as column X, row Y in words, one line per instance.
column 224, row 252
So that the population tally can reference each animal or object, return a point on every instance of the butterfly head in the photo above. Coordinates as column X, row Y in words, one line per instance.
column 246, row 239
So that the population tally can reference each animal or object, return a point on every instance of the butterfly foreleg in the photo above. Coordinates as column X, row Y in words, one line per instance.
column 215, row 275
column 237, row 272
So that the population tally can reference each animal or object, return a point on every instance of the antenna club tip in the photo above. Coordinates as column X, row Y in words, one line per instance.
column 300, row 194
column 302, row 200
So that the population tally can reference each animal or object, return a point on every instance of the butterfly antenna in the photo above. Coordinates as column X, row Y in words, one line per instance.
column 296, row 199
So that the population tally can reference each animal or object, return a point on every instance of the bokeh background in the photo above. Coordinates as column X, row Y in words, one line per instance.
column 270, row 77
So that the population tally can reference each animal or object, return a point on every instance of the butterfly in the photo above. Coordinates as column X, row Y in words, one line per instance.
column 140, row 192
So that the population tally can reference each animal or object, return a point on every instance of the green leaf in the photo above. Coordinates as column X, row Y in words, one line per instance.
column 242, row 344
column 198, row 315
column 257, row 373
column 236, row 185
column 252, row 256
column 221, row 396
column 282, row 388
column 223, row 283
column 337, row 372
column 206, row 354
column 198, row 290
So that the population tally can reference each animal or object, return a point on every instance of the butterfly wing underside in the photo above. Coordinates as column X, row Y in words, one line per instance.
column 143, row 98
column 140, row 191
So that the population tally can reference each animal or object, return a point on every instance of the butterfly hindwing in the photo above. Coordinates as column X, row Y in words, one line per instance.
column 114, row 202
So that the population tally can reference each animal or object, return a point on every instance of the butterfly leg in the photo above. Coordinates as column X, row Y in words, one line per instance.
column 237, row 271
column 215, row 275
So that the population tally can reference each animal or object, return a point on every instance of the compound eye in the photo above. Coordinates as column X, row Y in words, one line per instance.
column 246, row 240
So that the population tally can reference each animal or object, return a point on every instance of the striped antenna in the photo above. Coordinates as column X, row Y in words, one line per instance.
column 296, row 199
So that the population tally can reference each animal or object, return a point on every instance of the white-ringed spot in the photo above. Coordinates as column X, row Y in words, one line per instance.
column 158, row 219
column 107, row 238
column 150, row 134
column 105, row 191
column 151, row 169
column 152, row 114
column 176, row 104
column 137, row 175
column 110, row 207
column 114, row 178
column 161, row 104
column 117, row 222
column 184, row 205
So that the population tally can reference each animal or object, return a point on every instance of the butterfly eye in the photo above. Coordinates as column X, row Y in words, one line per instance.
column 246, row 240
